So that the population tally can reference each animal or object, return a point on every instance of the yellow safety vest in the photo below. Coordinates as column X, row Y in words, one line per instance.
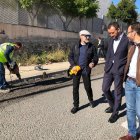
column 2, row 51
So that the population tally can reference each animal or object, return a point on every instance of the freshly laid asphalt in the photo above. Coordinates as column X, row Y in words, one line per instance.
column 46, row 115
column 33, row 71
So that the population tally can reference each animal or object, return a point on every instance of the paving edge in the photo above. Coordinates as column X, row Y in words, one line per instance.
column 45, row 75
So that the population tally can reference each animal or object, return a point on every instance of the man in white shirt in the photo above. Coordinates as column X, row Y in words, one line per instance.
column 116, row 59
column 132, row 83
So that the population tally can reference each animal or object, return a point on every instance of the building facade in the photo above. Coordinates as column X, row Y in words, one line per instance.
column 104, row 5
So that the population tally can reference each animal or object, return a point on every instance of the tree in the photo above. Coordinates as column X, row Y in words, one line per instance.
column 68, row 10
column 124, row 11
column 87, row 8
column 112, row 11
column 33, row 7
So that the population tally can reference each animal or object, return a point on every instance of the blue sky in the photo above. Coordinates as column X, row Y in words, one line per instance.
column 137, row 4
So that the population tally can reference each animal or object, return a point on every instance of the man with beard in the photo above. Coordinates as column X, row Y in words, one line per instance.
column 114, row 69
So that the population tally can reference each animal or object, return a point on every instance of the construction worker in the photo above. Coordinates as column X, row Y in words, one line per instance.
column 6, row 54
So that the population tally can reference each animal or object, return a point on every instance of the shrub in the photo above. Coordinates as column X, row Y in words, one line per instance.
column 42, row 58
column 33, row 59
column 57, row 55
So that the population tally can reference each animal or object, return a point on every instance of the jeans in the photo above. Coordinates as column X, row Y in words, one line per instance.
column 132, row 94
column 2, row 76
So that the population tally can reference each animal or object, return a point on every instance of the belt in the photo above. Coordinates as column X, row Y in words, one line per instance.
column 133, row 79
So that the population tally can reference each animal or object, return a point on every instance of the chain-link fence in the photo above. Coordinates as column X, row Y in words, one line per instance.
column 10, row 12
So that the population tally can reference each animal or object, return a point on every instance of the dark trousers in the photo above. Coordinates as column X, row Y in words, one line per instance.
column 113, row 100
column 2, row 76
column 101, row 52
column 87, row 85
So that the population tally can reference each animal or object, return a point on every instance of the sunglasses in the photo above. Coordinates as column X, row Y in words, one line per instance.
column 87, row 36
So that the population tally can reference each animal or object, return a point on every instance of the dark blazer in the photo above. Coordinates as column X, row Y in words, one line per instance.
column 120, row 56
column 73, row 56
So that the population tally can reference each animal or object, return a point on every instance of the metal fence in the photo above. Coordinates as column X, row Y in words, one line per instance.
column 10, row 12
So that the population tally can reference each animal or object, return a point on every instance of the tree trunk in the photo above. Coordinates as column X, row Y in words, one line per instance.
column 80, row 23
column 32, row 19
column 64, row 26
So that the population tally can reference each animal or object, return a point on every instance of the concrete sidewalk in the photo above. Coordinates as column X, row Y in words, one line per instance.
column 30, row 71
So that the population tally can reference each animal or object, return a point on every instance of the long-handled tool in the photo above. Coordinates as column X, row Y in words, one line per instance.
column 15, row 70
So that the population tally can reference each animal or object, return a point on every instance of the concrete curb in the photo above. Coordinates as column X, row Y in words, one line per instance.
column 51, row 75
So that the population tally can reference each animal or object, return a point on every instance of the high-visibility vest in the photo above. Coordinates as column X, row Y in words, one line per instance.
column 2, row 51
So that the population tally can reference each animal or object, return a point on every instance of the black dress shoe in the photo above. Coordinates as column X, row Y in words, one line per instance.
column 138, row 136
column 113, row 118
column 74, row 110
column 109, row 110
column 91, row 103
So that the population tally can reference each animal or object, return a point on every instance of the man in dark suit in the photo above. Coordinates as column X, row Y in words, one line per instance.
column 114, row 69
column 83, row 54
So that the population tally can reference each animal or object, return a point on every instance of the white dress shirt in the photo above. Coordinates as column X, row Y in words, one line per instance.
column 116, row 43
column 133, row 64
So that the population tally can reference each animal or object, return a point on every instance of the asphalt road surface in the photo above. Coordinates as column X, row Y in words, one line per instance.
column 34, row 113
